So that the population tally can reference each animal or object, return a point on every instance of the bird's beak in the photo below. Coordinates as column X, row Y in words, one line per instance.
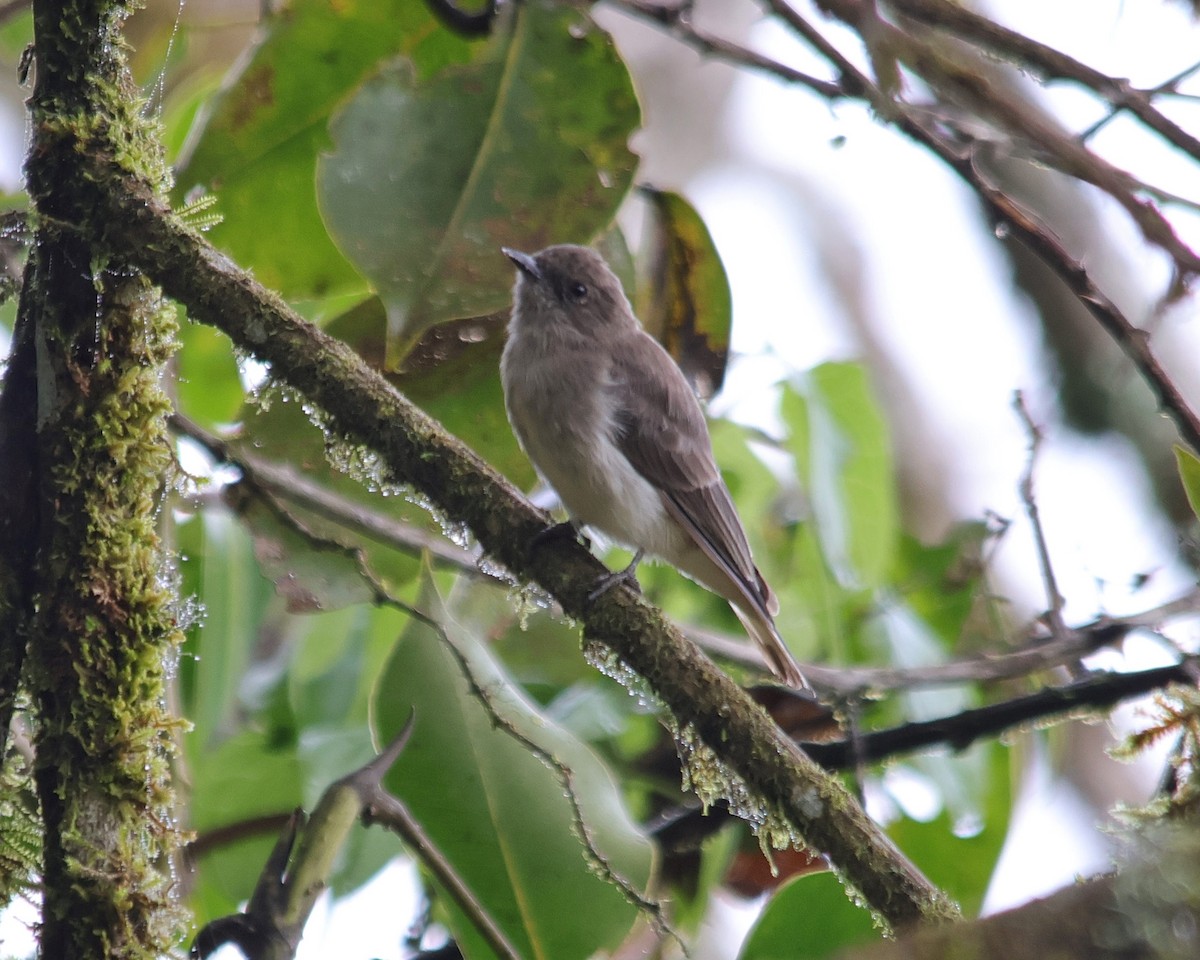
column 525, row 263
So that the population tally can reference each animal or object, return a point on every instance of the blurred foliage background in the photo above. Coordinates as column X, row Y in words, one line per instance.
column 367, row 162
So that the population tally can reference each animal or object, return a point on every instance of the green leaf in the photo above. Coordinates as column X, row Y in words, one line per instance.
column 219, row 567
column 958, row 849
column 1189, row 473
column 810, row 916
column 243, row 779
column 209, row 387
column 453, row 374
column 840, row 440
column 259, row 148
column 686, row 303
column 496, row 811
column 430, row 175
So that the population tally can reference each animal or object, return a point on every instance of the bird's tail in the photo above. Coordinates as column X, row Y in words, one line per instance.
column 761, row 628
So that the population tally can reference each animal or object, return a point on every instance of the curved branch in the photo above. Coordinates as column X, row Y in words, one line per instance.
column 1047, row 63
column 1007, row 216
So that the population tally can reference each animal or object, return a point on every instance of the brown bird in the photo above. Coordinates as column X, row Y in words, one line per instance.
column 609, row 420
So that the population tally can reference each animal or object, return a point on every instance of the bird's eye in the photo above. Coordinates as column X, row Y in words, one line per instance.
column 579, row 292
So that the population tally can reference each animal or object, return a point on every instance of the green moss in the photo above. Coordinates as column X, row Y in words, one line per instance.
column 106, row 630
column 104, row 626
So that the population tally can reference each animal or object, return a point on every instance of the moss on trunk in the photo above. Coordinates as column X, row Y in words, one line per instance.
column 102, row 626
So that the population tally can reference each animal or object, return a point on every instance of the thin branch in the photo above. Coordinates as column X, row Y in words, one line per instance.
column 287, row 484
column 298, row 868
column 1054, row 598
column 652, row 909
column 1040, row 654
column 1092, row 695
column 675, row 20
column 1050, row 64
column 1008, row 217
column 218, row 837
column 975, row 89
column 380, row 806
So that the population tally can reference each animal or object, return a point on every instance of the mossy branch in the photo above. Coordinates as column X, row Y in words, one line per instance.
column 361, row 407
column 95, row 606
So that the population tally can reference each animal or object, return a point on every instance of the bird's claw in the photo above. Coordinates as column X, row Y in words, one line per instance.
column 558, row 531
column 627, row 576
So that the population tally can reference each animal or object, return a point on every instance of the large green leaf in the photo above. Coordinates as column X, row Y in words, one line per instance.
column 809, row 917
column 430, row 175
column 453, row 374
column 496, row 811
column 218, row 566
column 258, row 148
column 840, row 440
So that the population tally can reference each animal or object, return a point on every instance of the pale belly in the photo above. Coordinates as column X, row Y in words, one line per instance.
column 567, row 434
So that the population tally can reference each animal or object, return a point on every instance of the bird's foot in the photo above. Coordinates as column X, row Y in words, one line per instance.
column 566, row 530
column 626, row 576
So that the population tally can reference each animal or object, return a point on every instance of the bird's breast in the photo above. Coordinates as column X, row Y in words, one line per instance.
column 564, row 414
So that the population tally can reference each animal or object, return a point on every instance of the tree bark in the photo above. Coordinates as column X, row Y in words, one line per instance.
column 101, row 621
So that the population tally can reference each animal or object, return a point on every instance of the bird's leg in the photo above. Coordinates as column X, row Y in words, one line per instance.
column 567, row 530
column 610, row 580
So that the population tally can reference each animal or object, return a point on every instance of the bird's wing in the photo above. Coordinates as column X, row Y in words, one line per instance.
column 662, row 432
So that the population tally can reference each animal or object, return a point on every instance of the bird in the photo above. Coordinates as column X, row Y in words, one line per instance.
column 610, row 422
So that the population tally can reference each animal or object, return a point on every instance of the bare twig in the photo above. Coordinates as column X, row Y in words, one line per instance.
column 298, row 868
column 1054, row 598
column 282, row 481
column 1008, row 217
column 675, row 20
column 1096, row 693
column 985, row 97
column 1041, row 653
column 218, row 837
column 1049, row 63
column 379, row 806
